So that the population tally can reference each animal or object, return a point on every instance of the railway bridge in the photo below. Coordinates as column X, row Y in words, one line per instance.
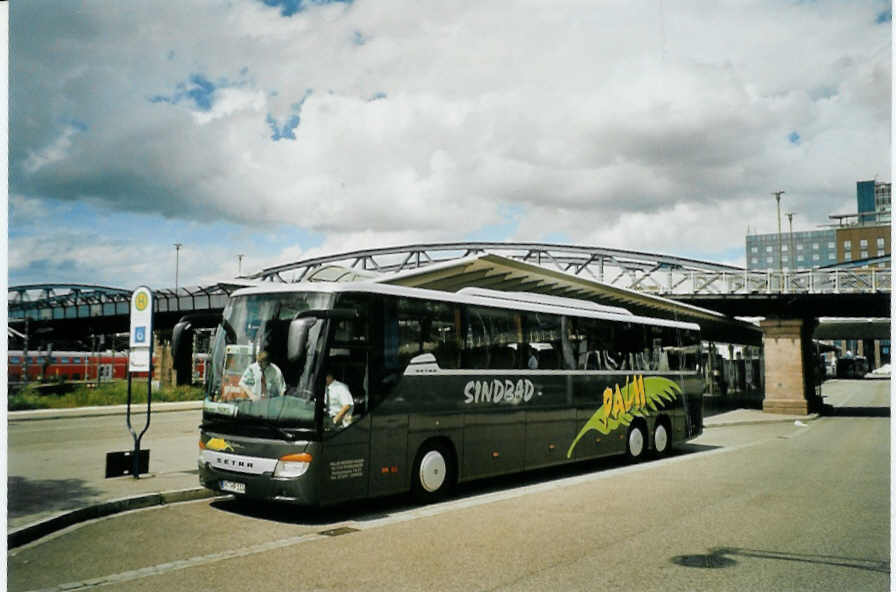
column 711, row 294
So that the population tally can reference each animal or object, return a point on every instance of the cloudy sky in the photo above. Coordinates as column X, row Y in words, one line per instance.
column 284, row 129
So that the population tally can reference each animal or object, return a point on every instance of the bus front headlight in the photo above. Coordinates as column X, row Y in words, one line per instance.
column 292, row 465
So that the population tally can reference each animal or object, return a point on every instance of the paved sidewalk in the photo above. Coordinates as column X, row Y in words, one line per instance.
column 752, row 416
column 50, row 492
column 136, row 411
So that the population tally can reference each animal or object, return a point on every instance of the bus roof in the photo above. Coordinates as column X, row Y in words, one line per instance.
column 524, row 301
column 516, row 297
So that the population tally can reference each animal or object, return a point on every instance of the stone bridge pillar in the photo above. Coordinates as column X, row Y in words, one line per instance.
column 790, row 367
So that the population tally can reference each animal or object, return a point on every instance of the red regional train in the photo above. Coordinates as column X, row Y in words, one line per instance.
column 70, row 365
column 82, row 365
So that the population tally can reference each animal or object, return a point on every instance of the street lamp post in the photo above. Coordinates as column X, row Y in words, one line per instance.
column 239, row 264
column 177, row 247
column 792, row 250
column 777, row 195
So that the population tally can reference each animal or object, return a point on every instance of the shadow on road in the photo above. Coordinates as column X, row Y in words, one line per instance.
column 721, row 558
column 29, row 496
column 374, row 509
column 831, row 411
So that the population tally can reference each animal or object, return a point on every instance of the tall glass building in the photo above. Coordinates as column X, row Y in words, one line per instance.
column 873, row 200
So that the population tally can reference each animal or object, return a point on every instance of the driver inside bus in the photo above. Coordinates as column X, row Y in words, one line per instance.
column 339, row 401
column 262, row 378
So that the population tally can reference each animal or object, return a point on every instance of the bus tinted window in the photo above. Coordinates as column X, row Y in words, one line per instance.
column 545, row 344
column 352, row 332
column 590, row 341
column 493, row 338
column 428, row 327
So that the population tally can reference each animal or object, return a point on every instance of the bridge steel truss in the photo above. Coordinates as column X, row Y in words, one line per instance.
column 632, row 270
column 647, row 273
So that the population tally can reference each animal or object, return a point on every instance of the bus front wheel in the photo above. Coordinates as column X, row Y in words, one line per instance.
column 636, row 442
column 433, row 473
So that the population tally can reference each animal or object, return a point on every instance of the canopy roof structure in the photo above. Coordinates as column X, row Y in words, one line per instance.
column 496, row 272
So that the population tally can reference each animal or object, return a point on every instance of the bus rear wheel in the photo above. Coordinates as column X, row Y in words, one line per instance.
column 635, row 442
column 661, row 439
column 433, row 473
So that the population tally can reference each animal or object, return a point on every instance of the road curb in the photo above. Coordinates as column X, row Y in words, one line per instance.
column 34, row 414
column 736, row 422
column 32, row 532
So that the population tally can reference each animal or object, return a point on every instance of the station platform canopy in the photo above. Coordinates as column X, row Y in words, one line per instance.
column 71, row 301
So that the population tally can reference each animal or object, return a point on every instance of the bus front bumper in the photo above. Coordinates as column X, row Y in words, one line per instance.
column 299, row 490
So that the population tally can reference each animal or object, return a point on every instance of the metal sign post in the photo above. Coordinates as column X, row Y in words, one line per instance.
column 140, row 360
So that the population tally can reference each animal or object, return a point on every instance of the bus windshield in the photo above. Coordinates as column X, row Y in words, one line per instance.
column 251, row 379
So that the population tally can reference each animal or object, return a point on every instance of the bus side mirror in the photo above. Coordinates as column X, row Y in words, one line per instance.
column 229, row 333
column 182, row 351
column 298, row 338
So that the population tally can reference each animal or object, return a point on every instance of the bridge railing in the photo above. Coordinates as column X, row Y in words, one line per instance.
column 834, row 281
column 642, row 272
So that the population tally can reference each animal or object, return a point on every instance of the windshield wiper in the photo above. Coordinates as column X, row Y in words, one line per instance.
column 211, row 425
column 285, row 433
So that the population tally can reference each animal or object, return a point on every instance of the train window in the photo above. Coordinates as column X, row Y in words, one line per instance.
column 15, row 360
column 63, row 360
column 76, row 360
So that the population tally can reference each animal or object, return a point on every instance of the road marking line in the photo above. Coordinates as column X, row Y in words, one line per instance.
column 163, row 568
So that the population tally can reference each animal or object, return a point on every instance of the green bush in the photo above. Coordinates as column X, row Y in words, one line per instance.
column 108, row 393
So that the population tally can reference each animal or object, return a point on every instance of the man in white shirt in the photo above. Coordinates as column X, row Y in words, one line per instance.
column 339, row 402
column 262, row 379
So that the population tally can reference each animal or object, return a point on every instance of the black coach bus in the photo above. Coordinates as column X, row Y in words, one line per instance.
column 321, row 393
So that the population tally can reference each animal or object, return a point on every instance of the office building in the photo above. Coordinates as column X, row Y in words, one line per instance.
column 814, row 248
column 857, row 237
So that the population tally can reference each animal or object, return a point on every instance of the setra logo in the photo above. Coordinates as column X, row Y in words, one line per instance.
column 219, row 445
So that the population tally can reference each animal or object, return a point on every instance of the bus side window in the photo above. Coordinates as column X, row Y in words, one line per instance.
column 427, row 327
column 502, row 337
column 349, row 366
column 475, row 354
column 544, row 334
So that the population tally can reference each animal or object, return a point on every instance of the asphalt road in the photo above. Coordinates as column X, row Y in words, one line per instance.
column 757, row 507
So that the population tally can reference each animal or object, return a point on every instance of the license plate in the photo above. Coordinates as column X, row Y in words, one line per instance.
column 233, row 487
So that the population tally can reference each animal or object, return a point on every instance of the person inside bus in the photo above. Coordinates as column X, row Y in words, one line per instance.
column 262, row 378
column 339, row 401
column 533, row 359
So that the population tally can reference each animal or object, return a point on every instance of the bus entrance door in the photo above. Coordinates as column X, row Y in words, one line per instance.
column 389, row 454
column 346, row 456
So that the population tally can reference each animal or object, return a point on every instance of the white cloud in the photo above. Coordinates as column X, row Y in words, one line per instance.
column 57, row 150
column 230, row 101
column 421, row 122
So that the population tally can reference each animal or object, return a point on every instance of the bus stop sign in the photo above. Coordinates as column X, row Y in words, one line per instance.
column 141, row 330
column 136, row 462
